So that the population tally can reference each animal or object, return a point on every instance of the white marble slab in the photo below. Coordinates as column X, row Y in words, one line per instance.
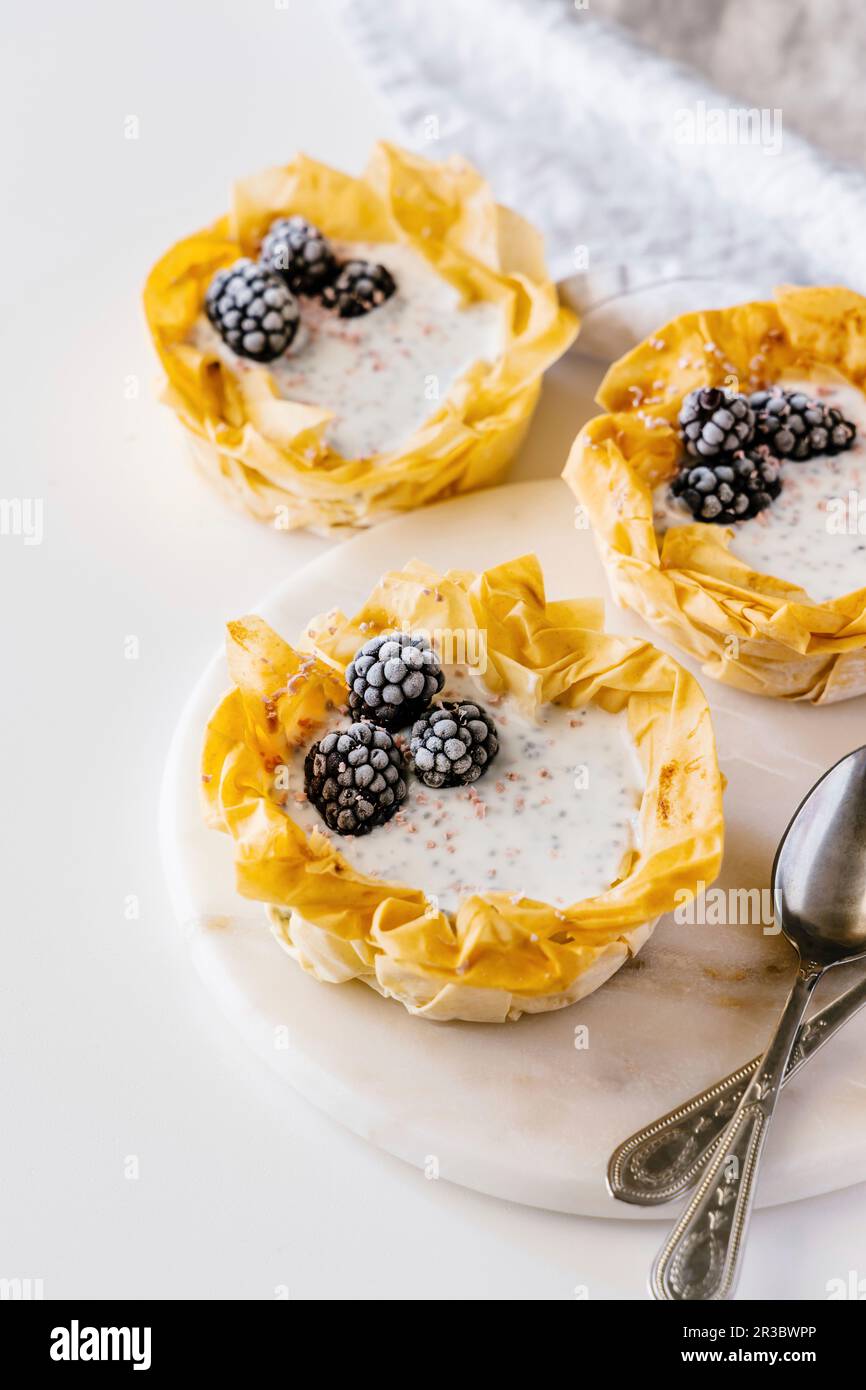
column 516, row 1110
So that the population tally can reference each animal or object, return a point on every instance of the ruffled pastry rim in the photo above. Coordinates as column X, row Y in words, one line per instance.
column 329, row 960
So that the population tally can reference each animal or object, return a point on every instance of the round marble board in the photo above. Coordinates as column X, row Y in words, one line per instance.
column 517, row 1110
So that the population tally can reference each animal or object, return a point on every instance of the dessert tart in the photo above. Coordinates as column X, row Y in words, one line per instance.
column 726, row 488
column 496, row 820
column 340, row 349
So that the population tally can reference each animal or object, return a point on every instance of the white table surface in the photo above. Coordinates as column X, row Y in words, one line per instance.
column 113, row 1057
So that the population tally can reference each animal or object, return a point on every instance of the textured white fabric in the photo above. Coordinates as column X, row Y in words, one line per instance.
column 585, row 132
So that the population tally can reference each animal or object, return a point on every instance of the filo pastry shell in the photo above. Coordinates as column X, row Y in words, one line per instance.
column 500, row 954
column 269, row 454
column 750, row 630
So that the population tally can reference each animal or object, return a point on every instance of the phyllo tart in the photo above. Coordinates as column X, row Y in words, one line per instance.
column 341, row 349
column 726, row 487
column 469, row 797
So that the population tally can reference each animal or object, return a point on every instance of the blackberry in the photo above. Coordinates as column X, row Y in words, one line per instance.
column 453, row 744
column 251, row 309
column 393, row 678
column 730, row 489
column 298, row 252
column 797, row 426
column 714, row 420
column 354, row 778
column 359, row 287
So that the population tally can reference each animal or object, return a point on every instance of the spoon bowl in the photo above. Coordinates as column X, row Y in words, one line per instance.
column 819, row 873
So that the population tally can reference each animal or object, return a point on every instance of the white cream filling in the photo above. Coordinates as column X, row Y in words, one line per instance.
column 382, row 374
column 553, row 819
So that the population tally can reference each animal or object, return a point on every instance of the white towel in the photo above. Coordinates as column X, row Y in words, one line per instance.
column 635, row 169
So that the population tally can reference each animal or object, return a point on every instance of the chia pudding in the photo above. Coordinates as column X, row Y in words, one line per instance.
column 385, row 373
column 554, row 818
column 813, row 534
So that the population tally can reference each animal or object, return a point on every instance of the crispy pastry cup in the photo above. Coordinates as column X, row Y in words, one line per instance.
column 750, row 630
column 269, row 454
column 500, row 954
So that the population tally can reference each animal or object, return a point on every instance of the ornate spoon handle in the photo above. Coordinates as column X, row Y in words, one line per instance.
column 662, row 1160
column 700, row 1258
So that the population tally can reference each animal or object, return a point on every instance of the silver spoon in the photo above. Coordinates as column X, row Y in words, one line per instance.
column 664, row 1160
column 819, row 899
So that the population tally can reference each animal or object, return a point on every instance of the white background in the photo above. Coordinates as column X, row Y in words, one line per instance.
column 109, row 1047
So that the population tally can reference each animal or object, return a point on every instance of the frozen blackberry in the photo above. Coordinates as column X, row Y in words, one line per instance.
column 393, row 678
column 298, row 252
column 359, row 287
column 453, row 744
column 354, row 778
column 252, row 310
column 731, row 489
column 797, row 426
column 714, row 420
